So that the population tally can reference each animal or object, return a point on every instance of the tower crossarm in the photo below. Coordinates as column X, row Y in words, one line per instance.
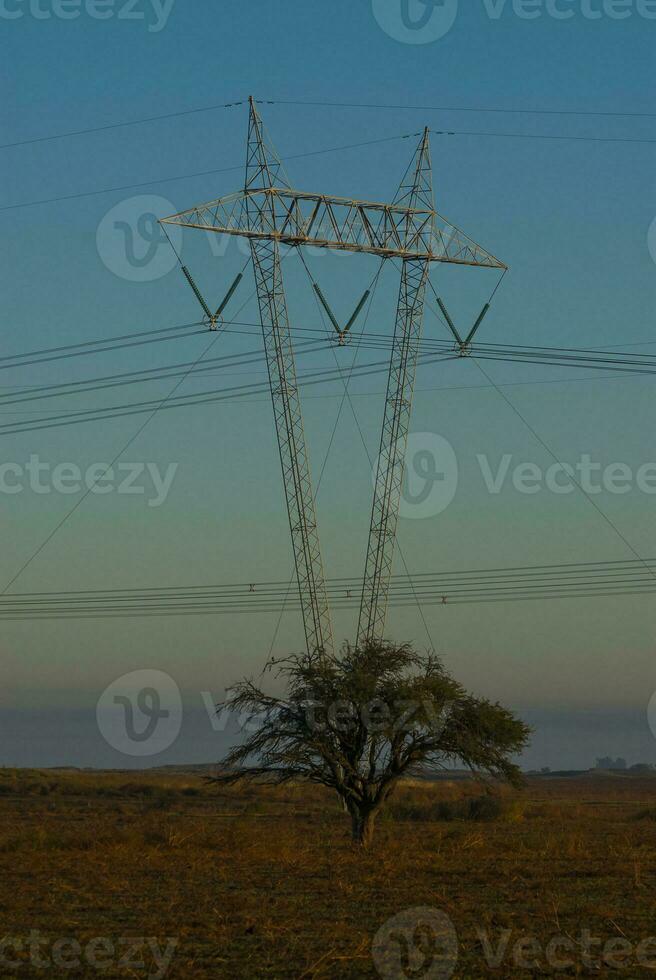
column 299, row 218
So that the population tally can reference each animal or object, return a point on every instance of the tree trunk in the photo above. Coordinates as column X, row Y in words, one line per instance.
column 362, row 827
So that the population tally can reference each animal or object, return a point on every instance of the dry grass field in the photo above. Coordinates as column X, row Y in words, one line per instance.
column 152, row 875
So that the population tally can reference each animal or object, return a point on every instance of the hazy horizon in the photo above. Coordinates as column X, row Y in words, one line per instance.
column 570, row 217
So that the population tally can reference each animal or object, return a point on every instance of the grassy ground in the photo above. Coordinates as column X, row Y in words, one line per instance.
column 264, row 883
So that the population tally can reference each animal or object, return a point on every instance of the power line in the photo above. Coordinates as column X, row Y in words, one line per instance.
column 515, row 583
column 110, row 345
column 576, row 483
column 183, row 330
column 429, row 354
column 196, row 110
column 184, row 401
column 334, row 149
column 438, row 108
column 212, row 365
column 89, row 343
column 118, row 125
column 543, row 136
column 563, row 569
column 34, row 554
column 201, row 173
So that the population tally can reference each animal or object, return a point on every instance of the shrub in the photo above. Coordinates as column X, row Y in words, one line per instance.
column 480, row 808
column 647, row 814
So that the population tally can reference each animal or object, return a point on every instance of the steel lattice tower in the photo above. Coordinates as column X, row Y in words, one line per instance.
column 416, row 191
column 264, row 171
column 269, row 213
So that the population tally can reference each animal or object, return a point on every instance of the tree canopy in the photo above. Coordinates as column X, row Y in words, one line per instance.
column 359, row 722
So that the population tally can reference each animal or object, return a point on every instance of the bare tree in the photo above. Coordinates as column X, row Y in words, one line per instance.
column 360, row 722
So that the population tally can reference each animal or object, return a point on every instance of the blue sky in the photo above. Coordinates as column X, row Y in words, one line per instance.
column 570, row 218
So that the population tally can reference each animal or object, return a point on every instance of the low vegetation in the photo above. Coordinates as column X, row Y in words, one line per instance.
column 262, row 882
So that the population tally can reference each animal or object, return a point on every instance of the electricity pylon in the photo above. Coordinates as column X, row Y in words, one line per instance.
column 263, row 172
column 269, row 213
column 416, row 191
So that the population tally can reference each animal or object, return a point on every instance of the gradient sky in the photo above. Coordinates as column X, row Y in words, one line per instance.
column 570, row 218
